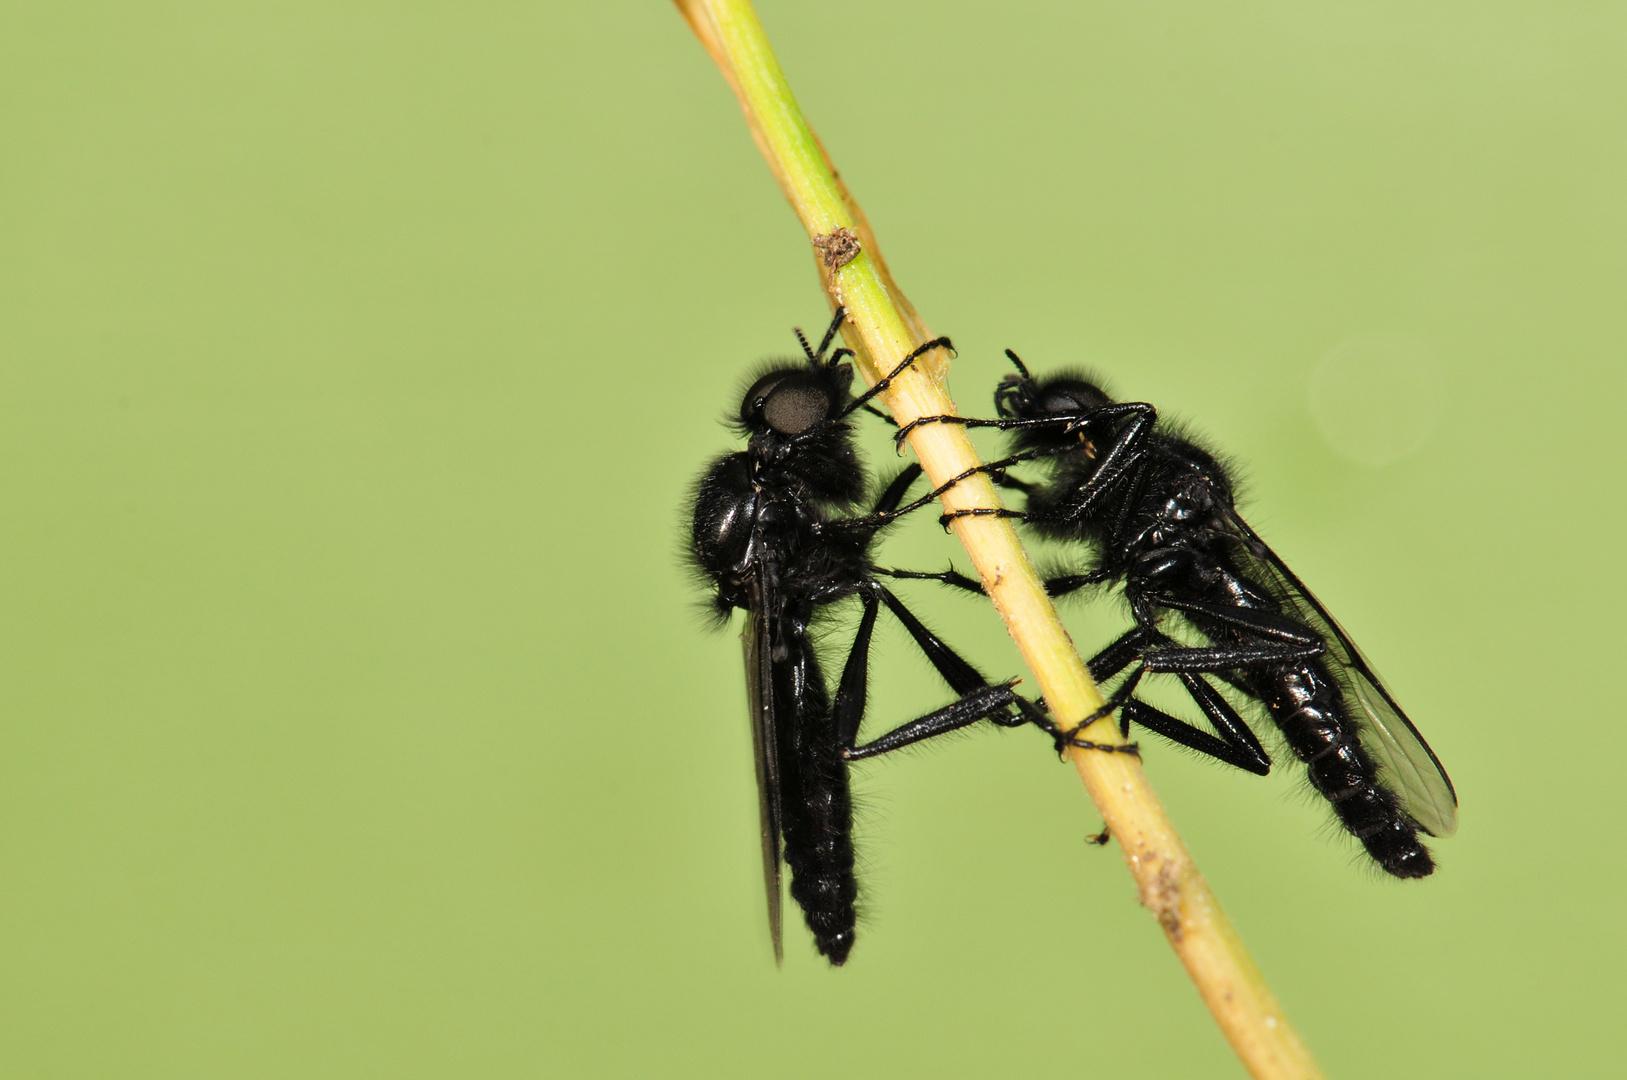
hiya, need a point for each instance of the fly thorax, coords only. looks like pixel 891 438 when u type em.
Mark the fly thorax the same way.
pixel 1186 505
pixel 725 517
pixel 730 527
pixel 769 448
pixel 1161 567
pixel 734 590
pixel 779 524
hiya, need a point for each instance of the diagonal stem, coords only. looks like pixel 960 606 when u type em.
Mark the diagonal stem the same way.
pixel 882 328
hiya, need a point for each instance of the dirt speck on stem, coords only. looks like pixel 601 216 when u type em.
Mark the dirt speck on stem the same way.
pixel 837 248
pixel 1161 894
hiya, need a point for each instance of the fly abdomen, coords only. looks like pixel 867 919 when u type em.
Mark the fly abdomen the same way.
pixel 1321 734
pixel 819 848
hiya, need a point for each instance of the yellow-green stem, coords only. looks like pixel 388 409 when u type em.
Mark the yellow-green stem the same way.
pixel 882 327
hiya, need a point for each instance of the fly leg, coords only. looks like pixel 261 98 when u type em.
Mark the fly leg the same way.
pixel 893 494
pixel 873 411
pixel 978 701
pixel 960 675
pixel 995 469
pixel 886 510
pixel 1011 483
pixel 1210 659
pixel 1236 744
pixel 1123 454
pixel 1034 712
pixel 984 703
pixel 1060 585
pixel 932 496
pixel 1070 738
pixel 987 703
pixel 1063 584
pixel 951 577
pixel 1069 422
pixel 1261 622
pixel 1037 714
pixel 887 380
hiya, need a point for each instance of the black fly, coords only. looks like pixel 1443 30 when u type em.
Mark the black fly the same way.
pixel 1159 511
pixel 775 533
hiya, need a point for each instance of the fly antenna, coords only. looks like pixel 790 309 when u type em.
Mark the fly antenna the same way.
pixel 830 335
pixel 1015 360
pixel 806 348
pixel 873 411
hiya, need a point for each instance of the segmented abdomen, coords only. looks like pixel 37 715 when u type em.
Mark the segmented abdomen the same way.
pixel 1312 714
pixel 1310 709
pixel 817 812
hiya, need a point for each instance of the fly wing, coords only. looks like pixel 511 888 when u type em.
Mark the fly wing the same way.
pixel 1406 761
pixel 765 746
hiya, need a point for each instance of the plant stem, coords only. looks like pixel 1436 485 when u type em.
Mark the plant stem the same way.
pixel 882 327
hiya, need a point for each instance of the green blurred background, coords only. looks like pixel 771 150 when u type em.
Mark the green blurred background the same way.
pixel 355 360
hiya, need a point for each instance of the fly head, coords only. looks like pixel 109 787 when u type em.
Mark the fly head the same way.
pixel 792 401
pixel 1022 397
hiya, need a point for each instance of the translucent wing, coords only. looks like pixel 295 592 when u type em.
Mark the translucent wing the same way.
pixel 765 745
pixel 1407 763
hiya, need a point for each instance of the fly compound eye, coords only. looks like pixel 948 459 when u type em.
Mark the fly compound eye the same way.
pixel 1061 403
pixel 1071 395
pixel 751 406
pixel 794 406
